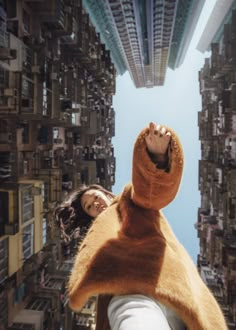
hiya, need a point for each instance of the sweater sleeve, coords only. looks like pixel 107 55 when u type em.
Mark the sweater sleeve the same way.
pixel 152 187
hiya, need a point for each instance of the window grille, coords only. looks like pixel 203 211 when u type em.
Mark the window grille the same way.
pixel 3 259
pixel 27 202
pixel 28 241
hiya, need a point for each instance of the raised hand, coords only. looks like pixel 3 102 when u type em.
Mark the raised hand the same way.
pixel 157 140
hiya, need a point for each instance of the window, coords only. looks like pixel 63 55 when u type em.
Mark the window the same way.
pixel 46 100
pixel 4 80
pixel 28 241
pixel 27 62
pixel 27 204
pixel 26 22
pixel 25 133
pixel 27 93
pixel 19 293
pixel 55 283
pixel 44 228
pixel 55 133
pixel 4 309
pixel 45 193
pixel 3 259
pixel 4 212
pixel 39 304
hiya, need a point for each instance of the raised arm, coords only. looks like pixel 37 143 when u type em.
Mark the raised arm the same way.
pixel 157 167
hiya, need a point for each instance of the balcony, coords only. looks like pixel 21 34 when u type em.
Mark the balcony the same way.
pixel 56 15
pixel 28 319
pixel 6 53
pixel 6 166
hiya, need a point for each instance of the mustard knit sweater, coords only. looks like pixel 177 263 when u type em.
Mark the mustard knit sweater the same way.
pixel 130 247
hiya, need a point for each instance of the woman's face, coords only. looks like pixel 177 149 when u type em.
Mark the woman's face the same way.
pixel 94 202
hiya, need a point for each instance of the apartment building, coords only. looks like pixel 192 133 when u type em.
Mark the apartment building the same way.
pixel 213 31
pixel 56 129
pixel 145 37
pixel 216 225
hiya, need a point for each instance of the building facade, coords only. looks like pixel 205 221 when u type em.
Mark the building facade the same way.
pixel 216 225
pixel 214 29
pixel 56 128
pixel 145 37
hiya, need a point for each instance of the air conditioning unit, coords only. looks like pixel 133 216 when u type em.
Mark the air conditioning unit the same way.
pixel 11 228
pixel 10 92
pixel 54 76
pixel 58 141
pixel 35 69
pixel 13 53
pixel 7 54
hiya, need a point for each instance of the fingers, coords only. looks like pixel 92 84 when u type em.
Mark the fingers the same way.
pixel 152 128
pixel 158 130
pixel 157 139
pixel 162 131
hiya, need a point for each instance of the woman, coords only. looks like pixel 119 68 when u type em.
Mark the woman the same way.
pixel 81 207
pixel 131 253
pixel 71 217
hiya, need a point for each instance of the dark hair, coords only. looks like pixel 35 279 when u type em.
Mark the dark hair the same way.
pixel 70 215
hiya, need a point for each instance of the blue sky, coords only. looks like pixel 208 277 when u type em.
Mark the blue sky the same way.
pixel 176 104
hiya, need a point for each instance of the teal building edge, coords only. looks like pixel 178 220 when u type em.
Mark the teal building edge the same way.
pixel 99 18
pixel 227 20
pixel 182 21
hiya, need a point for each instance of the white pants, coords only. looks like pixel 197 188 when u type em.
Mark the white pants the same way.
pixel 138 312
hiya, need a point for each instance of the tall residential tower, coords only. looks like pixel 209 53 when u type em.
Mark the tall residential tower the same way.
pixel 214 29
pixel 145 37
